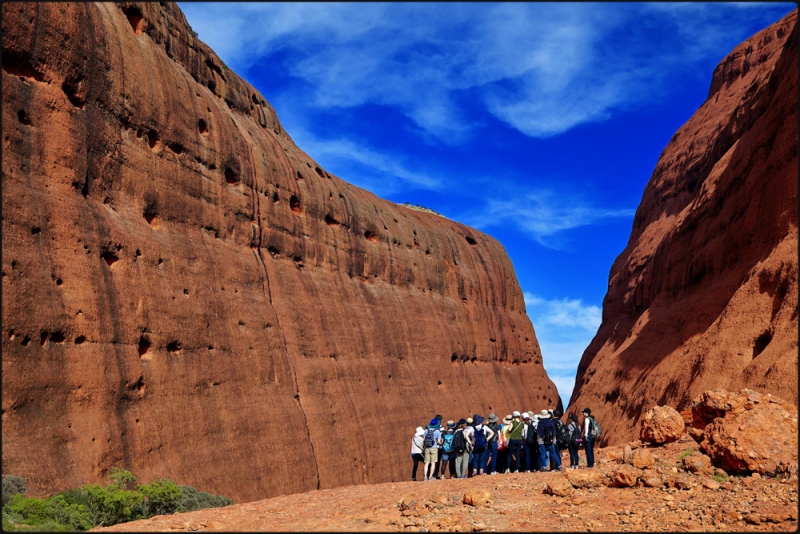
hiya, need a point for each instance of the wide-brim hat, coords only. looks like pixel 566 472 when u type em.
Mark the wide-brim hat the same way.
pixel 434 422
pixel 587 411
pixel 507 419
pixel 451 423
pixel 470 420
pixel 544 414
pixel 492 417
pixel 479 420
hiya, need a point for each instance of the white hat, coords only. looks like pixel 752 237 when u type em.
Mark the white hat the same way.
pixel 536 416
pixel 515 414
pixel 525 415
pixel 544 415
pixel 469 420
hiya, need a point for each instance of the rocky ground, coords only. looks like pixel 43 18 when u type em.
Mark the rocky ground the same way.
pixel 681 500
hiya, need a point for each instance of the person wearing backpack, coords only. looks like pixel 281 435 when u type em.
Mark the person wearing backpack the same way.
pixel 532 444
pixel 546 431
pixel 495 427
pixel 480 446
pixel 590 433
pixel 515 442
pixel 416 451
pixel 448 456
pixel 431 440
pixel 562 434
pixel 460 445
pixel 572 445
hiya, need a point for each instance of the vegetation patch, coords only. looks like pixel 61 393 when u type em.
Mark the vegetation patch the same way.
pixel 88 506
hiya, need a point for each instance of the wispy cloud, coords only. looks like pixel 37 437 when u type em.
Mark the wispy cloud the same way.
pixel 380 173
pixel 564 328
pixel 542 68
pixel 542 213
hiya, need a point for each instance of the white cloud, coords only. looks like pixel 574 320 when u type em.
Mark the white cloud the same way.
pixel 542 213
pixel 564 328
pixel 542 68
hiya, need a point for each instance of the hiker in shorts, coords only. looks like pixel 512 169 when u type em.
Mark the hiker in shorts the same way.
pixel 588 440
pixel 432 438
pixel 439 458
pixel 448 456
pixel 416 451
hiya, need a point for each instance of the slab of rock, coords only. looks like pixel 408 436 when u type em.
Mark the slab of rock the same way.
pixel 477 497
pixel 651 479
pixel 586 478
pixel 750 432
pixel 661 424
pixel 189 295
pixel 695 301
pixel 642 459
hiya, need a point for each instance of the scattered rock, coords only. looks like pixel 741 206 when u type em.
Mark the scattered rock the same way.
pixel 710 483
pixel 625 476
pixel 559 486
pixel 642 459
pixel 652 480
pixel 696 462
pixel 585 478
pixel 661 424
pixel 627 455
pixel 477 497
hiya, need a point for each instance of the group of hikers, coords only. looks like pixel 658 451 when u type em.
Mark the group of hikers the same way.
pixel 477 446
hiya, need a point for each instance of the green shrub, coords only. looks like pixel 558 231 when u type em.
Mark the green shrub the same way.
pixel 121 478
pixel 12 485
pixel 161 497
pixel 685 453
pixel 198 500
pixel 720 478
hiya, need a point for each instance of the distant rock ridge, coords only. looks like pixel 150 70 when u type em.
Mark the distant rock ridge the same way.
pixel 705 294
pixel 187 294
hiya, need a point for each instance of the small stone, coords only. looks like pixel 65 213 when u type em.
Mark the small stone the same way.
pixel 753 519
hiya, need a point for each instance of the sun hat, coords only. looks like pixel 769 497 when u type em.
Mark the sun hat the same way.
pixel 479 420
pixel 587 411
pixel 525 415
pixel 451 423
pixel 544 414
pixel 470 420
pixel 536 417
pixel 434 422
pixel 420 431
pixel 492 417
pixel 515 414
pixel 507 419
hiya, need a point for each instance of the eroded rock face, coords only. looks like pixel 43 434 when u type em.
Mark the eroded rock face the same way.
pixel 187 294
pixel 748 432
pixel 705 294
pixel 661 424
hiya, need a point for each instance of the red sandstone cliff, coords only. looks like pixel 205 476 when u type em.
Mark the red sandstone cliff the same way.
pixel 187 294
pixel 705 293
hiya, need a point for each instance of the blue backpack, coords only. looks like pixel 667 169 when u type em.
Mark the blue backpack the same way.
pixel 448 441
pixel 428 441
pixel 480 440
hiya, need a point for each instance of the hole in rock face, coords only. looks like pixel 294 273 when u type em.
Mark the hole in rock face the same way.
pixel 35 230
pixel 330 221
pixel 174 346
pixel 25 341
pixel 110 258
pixel 231 177
pixel 299 176
pixel 144 345
pixel 80 340
pixel 176 147
pixel 135 18
pixel 761 342
pixel 152 139
pixel 22 115
pixel 471 241
pixel 275 197
pixel 58 337
pixel 59 281
pixel 370 236
pixel 319 171
pixel 294 204
pixel 19 64
pixel 150 213
pixel 202 127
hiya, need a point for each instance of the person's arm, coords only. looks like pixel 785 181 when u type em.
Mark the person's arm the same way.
pixel 491 433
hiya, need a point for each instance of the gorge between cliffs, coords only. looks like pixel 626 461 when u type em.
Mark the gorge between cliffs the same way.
pixel 188 294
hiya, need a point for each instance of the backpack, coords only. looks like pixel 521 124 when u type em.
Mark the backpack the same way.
pixel 480 440
pixel 576 435
pixel 548 435
pixel 459 442
pixel 501 440
pixel 447 443
pixel 530 435
pixel 428 441
pixel 562 434
pixel 594 428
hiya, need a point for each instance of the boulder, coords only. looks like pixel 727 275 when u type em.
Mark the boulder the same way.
pixel 697 462
pixel 627 454
pixel 651 479
pixel 477 497
pixel 750 432
pixel 559 486
pixel 586 478
pixel 661 424
pixel 642 459
pixel 625 476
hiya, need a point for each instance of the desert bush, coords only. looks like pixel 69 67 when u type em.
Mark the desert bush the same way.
pixel 161 497
pixel 198 500
pixel 12 485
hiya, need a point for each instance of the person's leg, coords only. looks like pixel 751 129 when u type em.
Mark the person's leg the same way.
pixel 452 463
pixel 493 461
pixel 509 455
pixel 414 457
pixel 542 457
pixel 590 452
pixel 555 454
pixel 485 460
pixel 438 461
pixel 526 456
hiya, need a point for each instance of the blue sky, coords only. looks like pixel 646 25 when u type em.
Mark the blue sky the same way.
pixel 537 123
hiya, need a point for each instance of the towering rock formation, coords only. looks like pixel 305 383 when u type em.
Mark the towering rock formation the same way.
pixel 705 294
pixel 186 294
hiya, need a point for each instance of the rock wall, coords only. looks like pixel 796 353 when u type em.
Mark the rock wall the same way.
pixel 186 294
pixel 705 294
